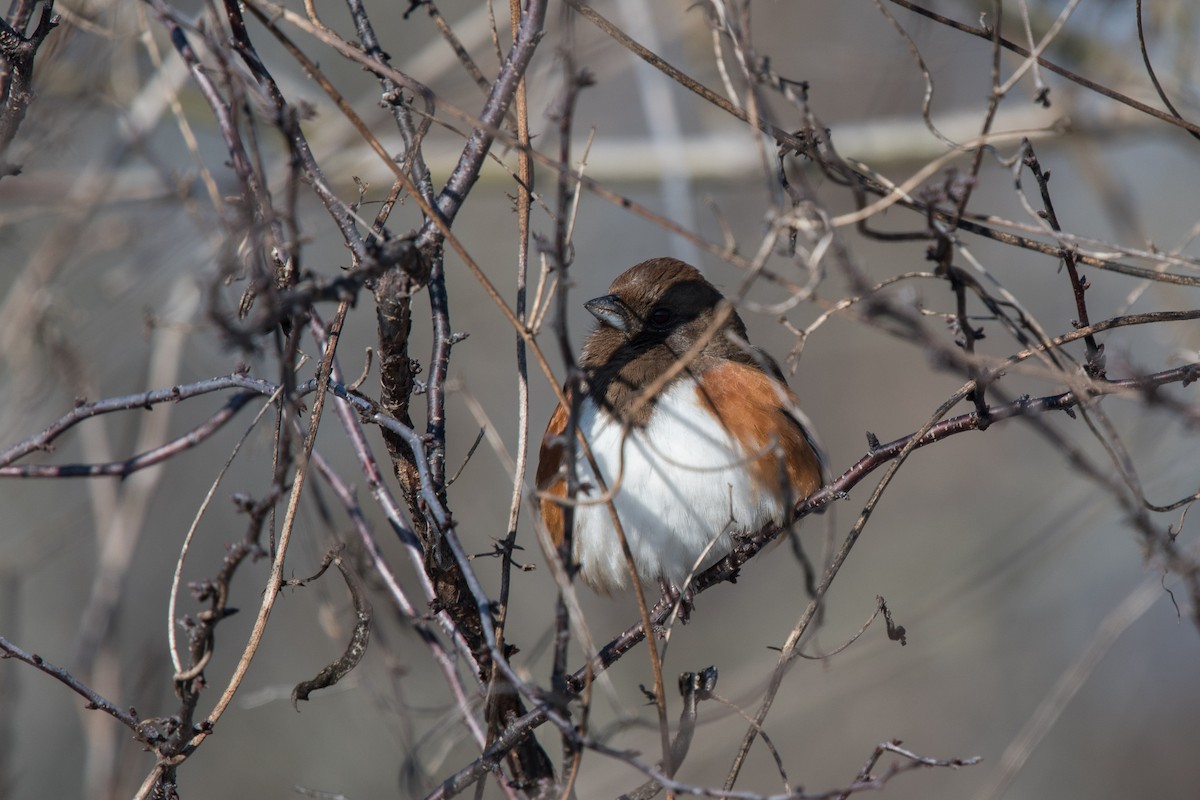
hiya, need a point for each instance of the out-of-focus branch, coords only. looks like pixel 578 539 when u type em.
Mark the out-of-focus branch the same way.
pixel 17 53
pixel 987 33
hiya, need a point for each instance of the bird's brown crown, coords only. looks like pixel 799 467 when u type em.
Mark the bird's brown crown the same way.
pixel 654 313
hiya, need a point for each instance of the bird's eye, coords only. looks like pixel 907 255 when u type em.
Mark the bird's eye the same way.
pixel 660 317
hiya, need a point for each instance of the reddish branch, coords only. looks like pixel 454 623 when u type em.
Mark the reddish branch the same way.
pixel 1079 286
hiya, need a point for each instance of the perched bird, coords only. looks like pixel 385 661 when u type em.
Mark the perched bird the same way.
pixel 718 448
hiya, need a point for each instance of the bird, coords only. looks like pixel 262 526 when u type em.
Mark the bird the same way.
pixel 695 433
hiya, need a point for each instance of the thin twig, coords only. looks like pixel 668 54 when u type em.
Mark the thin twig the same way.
pixel 985 33
pixel 127 717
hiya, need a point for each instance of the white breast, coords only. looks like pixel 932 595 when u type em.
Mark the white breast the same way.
pixel 673 497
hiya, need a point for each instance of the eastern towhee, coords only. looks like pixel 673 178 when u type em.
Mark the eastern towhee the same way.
pixel 719 448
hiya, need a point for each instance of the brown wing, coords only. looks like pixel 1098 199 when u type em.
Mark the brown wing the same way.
pixel 755 408
pixel 549 477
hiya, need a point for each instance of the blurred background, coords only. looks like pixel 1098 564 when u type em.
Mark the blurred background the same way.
pixel 1040 636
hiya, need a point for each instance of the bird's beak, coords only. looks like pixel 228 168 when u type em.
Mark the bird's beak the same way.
pixel 610 310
